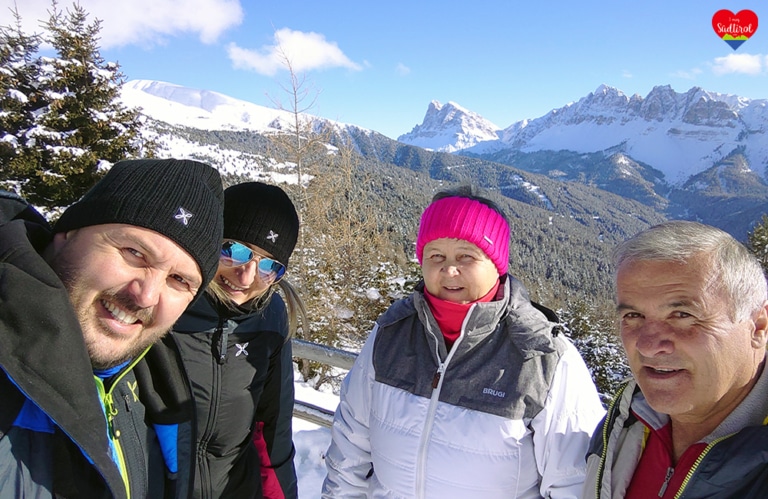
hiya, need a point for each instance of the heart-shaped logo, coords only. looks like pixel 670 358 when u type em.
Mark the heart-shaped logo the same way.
pixel 734 29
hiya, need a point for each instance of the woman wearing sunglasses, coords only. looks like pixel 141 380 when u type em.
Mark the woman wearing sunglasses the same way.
pixel 235 345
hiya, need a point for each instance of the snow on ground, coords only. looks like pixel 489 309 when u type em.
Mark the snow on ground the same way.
pixel 311 441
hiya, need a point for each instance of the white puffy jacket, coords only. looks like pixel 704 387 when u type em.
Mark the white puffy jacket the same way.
pixel 507 413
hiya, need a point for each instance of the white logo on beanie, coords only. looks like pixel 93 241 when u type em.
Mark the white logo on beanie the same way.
pixel 183 215
pixel 272 236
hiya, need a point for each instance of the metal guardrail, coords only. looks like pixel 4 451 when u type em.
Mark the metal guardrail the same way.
pixel 326 355
pixel 322 353
pixel 312 413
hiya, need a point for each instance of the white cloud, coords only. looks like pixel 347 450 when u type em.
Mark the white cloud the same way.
pixel 138 22
pixel 626 74
pixel 402 69
pixel 305 51
pixel 739 63
pixel 690 74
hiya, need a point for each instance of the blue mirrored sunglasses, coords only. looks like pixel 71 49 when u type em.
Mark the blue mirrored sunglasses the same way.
pixel 234 254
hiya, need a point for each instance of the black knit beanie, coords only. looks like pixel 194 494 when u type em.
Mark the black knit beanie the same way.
pixel 180 199
pixel 262 215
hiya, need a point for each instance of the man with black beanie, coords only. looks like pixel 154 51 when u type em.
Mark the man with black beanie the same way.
pixel 93 399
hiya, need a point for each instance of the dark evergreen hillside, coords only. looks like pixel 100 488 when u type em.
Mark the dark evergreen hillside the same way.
pixel 614 172
pixel 562 232
pixel 729 195
pixel 709 197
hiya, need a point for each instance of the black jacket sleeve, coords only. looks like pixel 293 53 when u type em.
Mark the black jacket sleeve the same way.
pixel 275 414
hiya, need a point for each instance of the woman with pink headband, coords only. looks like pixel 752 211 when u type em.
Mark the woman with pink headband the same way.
pixel 465 388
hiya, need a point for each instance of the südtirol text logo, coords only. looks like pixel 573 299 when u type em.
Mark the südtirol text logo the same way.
pixel 734 29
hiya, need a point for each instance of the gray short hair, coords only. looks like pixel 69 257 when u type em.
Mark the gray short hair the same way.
pixel 737 271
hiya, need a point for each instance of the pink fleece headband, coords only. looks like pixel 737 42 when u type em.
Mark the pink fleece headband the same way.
pixel 468 219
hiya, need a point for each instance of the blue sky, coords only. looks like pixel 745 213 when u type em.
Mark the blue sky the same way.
pixel 379 64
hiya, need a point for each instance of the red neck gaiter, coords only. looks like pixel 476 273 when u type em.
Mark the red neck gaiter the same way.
pixel 450 316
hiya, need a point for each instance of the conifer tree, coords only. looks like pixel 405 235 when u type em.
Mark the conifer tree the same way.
pixel 20 99
pixel 758 241
pixel 80 126
pixel 592 330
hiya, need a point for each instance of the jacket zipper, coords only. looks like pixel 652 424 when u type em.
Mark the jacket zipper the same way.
pixel 610 418
pixel 421 473
pixel 670 472
pixel 220 339
pixel 437 384
pixel 110 412
pixel 697 463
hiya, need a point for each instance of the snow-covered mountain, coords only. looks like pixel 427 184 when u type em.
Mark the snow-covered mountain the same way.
pixel 698 155
pixel 201 109
pixel 207 110
pixel 678 134
pixel 174 108
pixel 450 128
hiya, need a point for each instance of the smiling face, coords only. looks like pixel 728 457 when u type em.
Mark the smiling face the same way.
pixel 243 283
pixel 456 270
pixel 127 284
pixel 686 353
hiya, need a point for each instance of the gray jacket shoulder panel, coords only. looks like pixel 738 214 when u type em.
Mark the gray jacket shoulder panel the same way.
pixel 503 364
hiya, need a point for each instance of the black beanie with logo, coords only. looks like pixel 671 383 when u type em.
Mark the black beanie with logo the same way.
pixel 180 199
pixel 262 215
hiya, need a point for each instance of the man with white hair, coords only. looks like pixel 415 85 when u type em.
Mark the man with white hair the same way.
pixel 692 305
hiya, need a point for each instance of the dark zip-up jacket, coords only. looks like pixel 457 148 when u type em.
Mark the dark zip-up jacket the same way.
pixel 241 369
pixel 63 432
pixel 734 464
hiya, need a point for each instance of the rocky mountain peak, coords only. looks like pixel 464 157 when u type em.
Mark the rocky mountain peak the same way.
pixel 678 134
pixel 450 128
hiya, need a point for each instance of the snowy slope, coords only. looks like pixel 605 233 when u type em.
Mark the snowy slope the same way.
pixel 201 109
pixel 190 108
pixel 678 134
pixel 207 110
